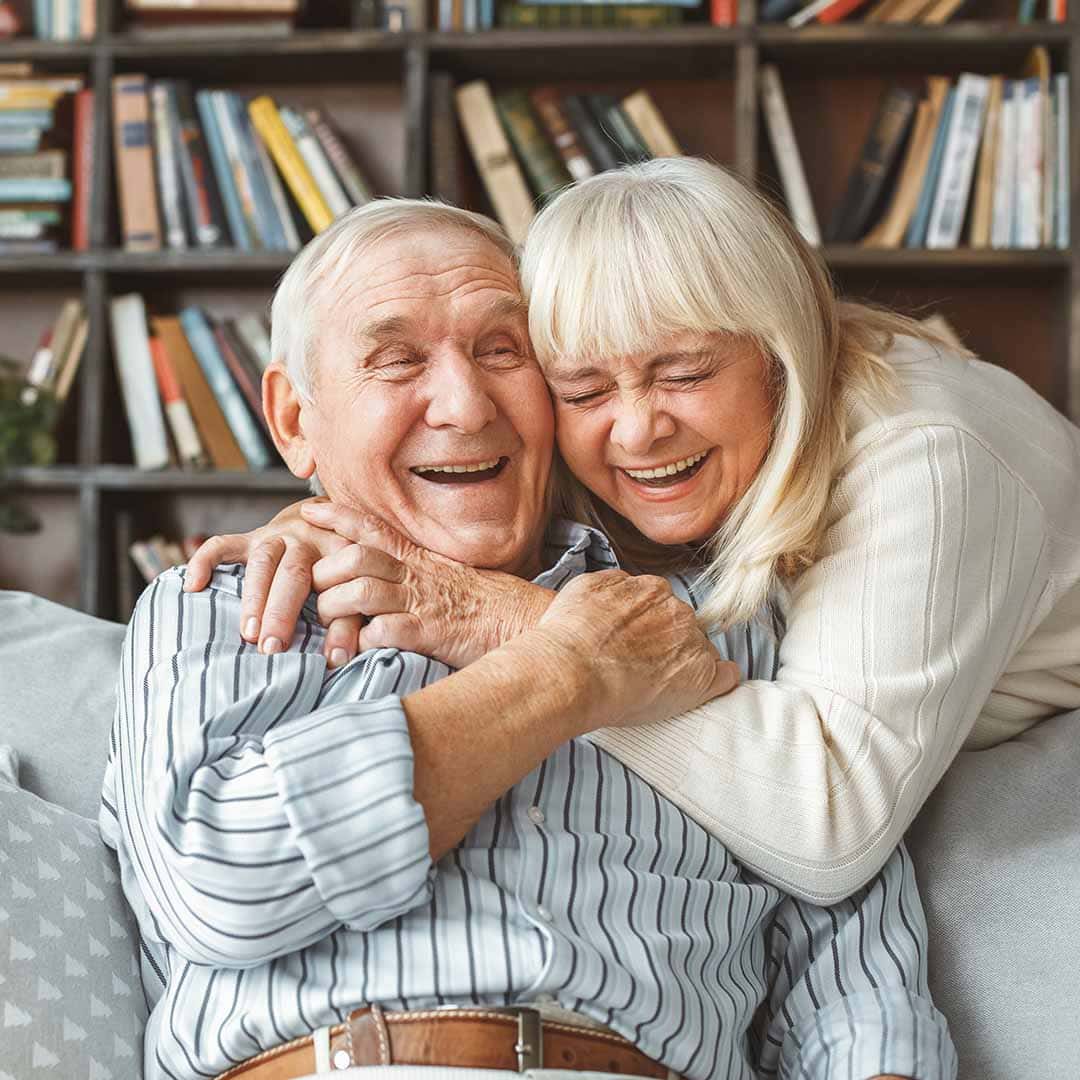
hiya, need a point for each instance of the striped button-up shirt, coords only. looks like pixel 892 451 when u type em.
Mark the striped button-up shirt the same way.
pixel 271 847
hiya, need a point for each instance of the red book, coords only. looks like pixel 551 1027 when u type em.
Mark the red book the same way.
pixel 840 10
pixel 723 12
pixel 82 169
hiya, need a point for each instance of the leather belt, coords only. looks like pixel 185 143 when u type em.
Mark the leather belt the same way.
pixel 513 1038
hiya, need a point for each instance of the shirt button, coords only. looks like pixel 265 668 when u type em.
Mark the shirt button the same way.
pixel 342 1059
pixel 536 815
pixel 544 914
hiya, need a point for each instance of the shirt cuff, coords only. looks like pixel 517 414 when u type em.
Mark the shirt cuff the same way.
pixel 345 776
pixel 869 1034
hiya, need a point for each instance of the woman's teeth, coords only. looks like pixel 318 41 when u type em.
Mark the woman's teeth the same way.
pixel 666 470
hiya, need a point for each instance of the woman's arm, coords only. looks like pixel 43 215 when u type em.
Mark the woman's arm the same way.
pixel 931 571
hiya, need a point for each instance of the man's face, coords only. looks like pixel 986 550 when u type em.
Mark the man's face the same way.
pixel 428 407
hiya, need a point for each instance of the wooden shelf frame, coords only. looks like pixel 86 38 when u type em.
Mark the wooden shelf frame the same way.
pixel 411 57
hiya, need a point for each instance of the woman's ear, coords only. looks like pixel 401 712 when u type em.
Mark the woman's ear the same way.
pixel 283 408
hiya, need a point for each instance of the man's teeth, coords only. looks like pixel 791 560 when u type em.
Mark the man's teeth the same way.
pixel 665 470
pixel 482 467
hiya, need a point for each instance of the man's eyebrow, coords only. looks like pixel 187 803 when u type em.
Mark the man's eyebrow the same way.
pixel 570 373
pixel 506 306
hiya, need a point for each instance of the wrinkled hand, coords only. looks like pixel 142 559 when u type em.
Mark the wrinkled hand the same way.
pixel 414 599
pixel 638 648
pixel 279 556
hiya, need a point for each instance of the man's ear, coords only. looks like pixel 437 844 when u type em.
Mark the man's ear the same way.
pixel 283 408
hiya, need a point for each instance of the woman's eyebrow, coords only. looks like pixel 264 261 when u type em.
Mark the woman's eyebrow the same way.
pixel 570 373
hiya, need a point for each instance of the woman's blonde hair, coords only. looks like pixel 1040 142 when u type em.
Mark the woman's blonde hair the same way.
pixel 616 264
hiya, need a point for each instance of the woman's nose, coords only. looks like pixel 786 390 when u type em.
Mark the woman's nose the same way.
pixel 638 426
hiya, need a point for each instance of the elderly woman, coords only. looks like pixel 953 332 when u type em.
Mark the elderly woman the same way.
pixel 916 510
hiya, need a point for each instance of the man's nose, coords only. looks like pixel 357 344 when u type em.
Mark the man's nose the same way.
pixel 459 398
pixel 638 425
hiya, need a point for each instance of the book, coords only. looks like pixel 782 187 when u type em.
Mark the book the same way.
pixel 838 10
pixel 1027 222
pixel 280 200
pixel 135 368
pixel 241 423
pixel 499 170
pixel 958 162
pixel 189 447
pixel 272 130
pixel 890 230
pixel 614 122
pixel 167 168
pixel 135 163
pixel 642 112
pixel 876 164
pixel 600 149
pixel 214 431
pixel 256 224
pixel 82 169
pixel 786 152
pixel 316 160
pixel 202 202
pixel 269 226
pixel 1061 134
pixel 346 169
pixel 68 364
pixel 915 236
pixel 982 211
pixel 1037 67
pixel 222 169
pixel 252 332
pixel 247 380
pixel 34 190
pixel 777 10
pixel 543 166
pixel 549 111
pixel 1004 212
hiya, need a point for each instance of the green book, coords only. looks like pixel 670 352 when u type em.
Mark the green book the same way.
pixel 544 167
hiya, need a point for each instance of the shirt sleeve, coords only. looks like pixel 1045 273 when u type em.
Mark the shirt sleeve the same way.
pixel 253 821
pixel 932 567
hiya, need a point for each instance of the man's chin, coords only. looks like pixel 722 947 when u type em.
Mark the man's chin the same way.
pixel 486 548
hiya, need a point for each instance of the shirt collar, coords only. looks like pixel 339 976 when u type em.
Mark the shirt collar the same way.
pixel 570 549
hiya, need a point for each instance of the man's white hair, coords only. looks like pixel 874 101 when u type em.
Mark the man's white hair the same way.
pixel 307 289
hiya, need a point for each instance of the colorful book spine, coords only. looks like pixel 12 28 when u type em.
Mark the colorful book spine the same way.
pixel 1027 226
pixel 277 193
pixel 40 190
pixel 543 166
pixel 242 180
pixel 21 119
pixel 82 169
pixel 201 198
pixel 135 368
pixel 167 169
pixel 271 230
pixel 189 447
pixel 318 165
pixel 357 188
pixel 564 138
pixel 245 430
pixel 135 163
pixel 1061 134
pixel 271 128
pixel 915 236
pixel 234 214
pixel 1001 230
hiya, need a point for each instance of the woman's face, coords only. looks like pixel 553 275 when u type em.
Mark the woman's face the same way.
pixel 670 438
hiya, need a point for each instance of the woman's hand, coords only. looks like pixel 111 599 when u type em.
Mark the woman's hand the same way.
pixel 637 649
pixel 278 580
pixel 414 599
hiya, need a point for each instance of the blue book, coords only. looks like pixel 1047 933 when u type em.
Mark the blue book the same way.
pixel 778 10
pixel 487 14
pixel 40 119
pixel 270 230
pixel 1026 13
pixel 43 28
pixel 244 428
pixel 20 141
pixel 219 160
pixel 920 220
pixel 41 189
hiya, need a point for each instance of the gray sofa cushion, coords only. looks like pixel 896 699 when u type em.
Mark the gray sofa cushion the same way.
pixel 58 672
pixel 71 1003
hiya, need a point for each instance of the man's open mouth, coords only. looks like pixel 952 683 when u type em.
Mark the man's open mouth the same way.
pixel 668 475
pixel 462 474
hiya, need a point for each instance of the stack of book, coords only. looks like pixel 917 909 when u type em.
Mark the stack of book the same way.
pixel 51 20
pixel 525 16
pixel 528 145
pixel 157 554
pixel 191 387
pixel 927 12
pixel 209 169
pixel 37 117
pixel 985 159
pixel 53 366
pixel 211 17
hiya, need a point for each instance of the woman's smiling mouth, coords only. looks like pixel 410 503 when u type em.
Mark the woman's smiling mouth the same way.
pixel 666 475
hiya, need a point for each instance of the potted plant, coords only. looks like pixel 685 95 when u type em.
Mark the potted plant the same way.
pixel 27 416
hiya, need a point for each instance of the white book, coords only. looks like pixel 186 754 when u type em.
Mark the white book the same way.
pixel 1061 125
pixel 788 159
pixel 809 13
pixel 315 159
pixel 1027 225
pixel 958 162
pixel 1005 171
pixel 255 337
pixel 138 384
pixel 167 168
pixel 277 193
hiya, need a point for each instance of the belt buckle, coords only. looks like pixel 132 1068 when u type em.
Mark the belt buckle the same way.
pixel 529 1046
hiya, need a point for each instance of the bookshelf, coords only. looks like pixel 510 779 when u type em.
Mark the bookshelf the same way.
pixel 1020 309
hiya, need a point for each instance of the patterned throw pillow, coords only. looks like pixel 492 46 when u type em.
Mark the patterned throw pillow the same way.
pixel 71 1003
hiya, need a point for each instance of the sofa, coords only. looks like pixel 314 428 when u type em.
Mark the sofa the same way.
pixel 997 848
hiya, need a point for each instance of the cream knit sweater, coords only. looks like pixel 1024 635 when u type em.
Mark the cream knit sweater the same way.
pixel 943 612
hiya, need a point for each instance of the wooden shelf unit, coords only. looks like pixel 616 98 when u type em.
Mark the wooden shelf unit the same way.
pixel 1017 308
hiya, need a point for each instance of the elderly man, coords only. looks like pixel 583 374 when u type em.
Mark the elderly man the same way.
pixel 322 859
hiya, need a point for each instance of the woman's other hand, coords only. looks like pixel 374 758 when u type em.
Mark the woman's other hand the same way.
pixel 278 579
pixel 638 648
pixel 413 599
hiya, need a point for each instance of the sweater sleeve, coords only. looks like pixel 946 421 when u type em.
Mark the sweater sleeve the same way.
pixel 932 567
pixel 251 820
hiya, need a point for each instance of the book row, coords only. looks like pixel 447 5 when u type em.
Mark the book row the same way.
pixel 529 144
pixel 798 13
pixel 983 160
pixel 474 15
pixel 45 167
pixel 209 169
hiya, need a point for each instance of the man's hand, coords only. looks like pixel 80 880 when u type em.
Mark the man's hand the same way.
pixel 414 599
pixel 638 648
